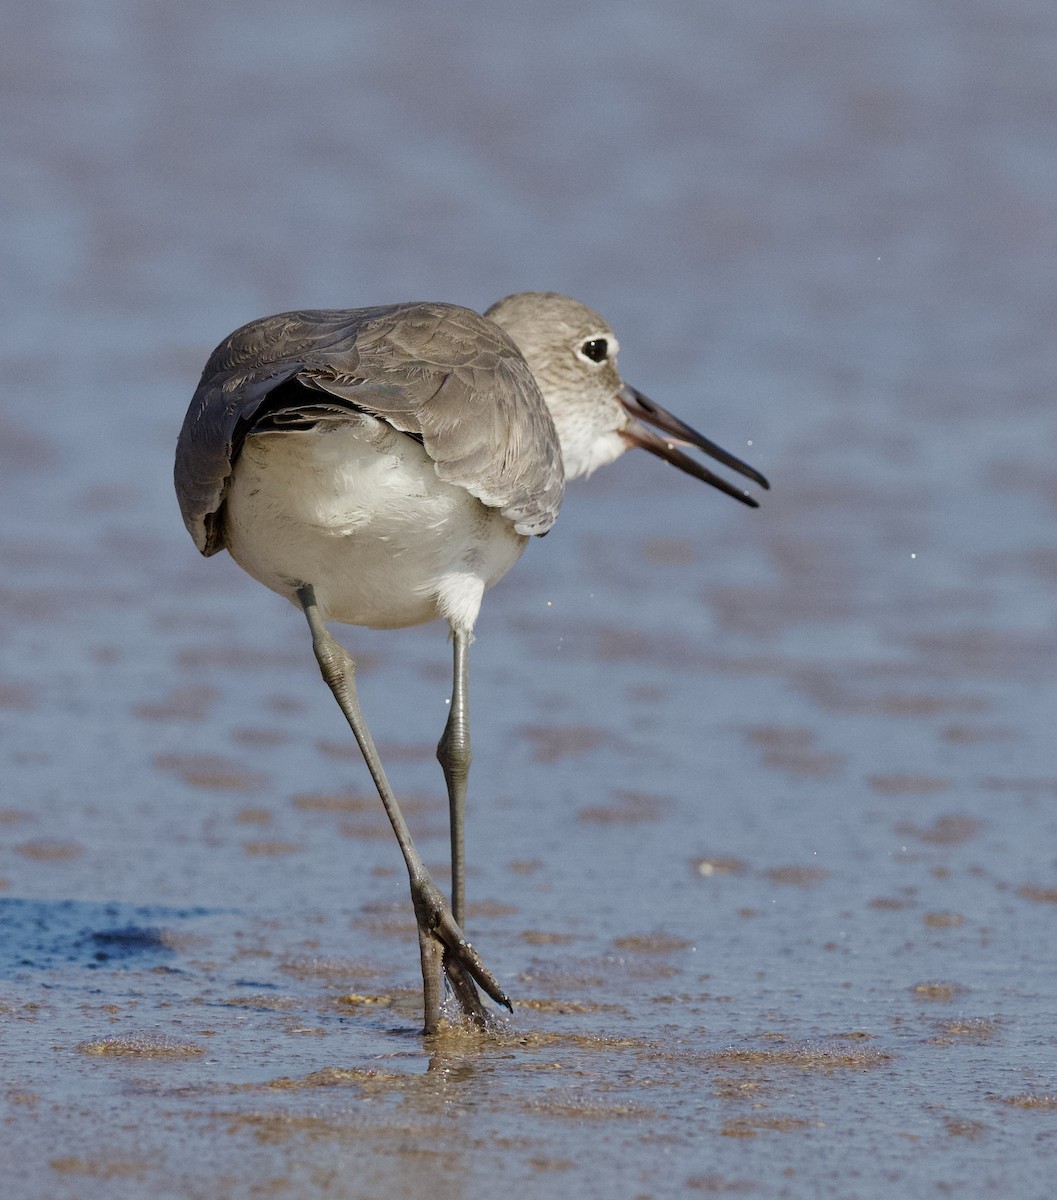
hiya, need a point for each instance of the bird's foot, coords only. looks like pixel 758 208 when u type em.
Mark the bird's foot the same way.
pixel 462 964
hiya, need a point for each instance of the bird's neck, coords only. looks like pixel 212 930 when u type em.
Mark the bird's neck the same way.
pixel 587 441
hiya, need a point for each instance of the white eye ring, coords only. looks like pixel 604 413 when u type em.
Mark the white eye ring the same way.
pixel 598 348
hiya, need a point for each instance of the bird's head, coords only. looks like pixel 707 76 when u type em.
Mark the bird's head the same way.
pixel 572 353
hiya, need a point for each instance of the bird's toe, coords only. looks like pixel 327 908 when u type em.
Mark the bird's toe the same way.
pixel 462 964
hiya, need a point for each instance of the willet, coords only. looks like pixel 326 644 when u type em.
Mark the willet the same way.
pixel 383 467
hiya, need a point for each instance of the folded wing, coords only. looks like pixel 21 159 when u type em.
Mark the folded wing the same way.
pixel 438 372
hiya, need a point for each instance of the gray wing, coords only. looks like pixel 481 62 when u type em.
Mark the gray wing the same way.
pixel 441 373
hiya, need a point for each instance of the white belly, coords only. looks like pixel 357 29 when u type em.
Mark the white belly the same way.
pixel 356 509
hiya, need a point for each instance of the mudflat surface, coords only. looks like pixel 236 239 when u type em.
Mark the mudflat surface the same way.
pixel 762 832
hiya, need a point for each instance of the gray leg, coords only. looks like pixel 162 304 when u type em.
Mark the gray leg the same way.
pixel 439 933
pixel 453 753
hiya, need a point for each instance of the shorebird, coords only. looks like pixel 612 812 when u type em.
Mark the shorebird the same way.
pixel 384 467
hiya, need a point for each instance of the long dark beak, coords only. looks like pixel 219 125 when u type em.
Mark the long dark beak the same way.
pixel 644 412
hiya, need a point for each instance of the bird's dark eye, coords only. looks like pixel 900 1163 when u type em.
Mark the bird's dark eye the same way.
pixel 596 349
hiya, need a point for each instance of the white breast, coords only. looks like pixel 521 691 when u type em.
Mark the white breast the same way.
pixel 355 508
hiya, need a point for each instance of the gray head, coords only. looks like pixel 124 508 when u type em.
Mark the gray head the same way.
pixel 572 353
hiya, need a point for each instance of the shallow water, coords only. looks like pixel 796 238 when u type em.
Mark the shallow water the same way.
pixel 762 831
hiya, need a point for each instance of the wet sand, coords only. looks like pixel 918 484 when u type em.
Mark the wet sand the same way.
pixel 763 811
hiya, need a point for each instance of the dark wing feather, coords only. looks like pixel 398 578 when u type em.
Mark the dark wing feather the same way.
pixel 441 373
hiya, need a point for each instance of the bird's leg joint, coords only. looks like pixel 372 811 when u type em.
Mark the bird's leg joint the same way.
pixel 430 908
pixel 336 665
pixel 453 749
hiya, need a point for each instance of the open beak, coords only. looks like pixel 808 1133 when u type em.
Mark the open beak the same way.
pixel 643 412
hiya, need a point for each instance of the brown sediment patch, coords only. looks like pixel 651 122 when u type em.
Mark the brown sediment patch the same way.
pixel 141 1045
pixel 566 1007
pixel 808 1056
pixel 717 865
pixel 274 1128
pixel 648 969
pixel 34 604
pixel 504 1034
pixel 326 968
pixel 951 830
pixel 630 808
pixel 332 1077
pixel 943 920
pixel 17 697
pixel 743 1089
pixel 791 749
pixel 261 1002
pixel 368 811
pixel 365 1000
pixel 811 765
pixel 618 643
pixel 187 703
pixel 1038 895
pixel 24 1012
pixel 967 735
pixel 14 816
pixel 890 903
pixel 551 743
pixel 651 943
pixel 259 738
pixel 908 785
pixel 718 1185
pixel 525 866
pixel 102 1168
pixel 938 991
pixel 747 1127
pixel 1038 560
pixel 537 937
pixel 346 750
pixel 1001 653
pixel 265 849
pixel 797 876
pixel 766 612
pixel 331 803
pixel 486 909
pixel 21 450
pixel 47 850
pixel 962 1127
pixel 253 816
pixel 977 1030
pixel 551 1164
pixel 258 951
pixel 786 737
pixel 1040 1100
pixel 211 772
pixel 837 693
